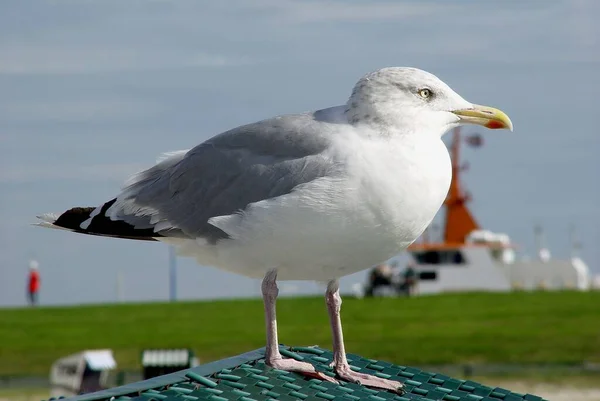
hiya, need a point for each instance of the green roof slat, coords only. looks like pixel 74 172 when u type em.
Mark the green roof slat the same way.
pixel 298 394
pixel 272 394
pixel 228 376
pixel 318 387
pixel 357 364
pixel 233 384
pixel 346 389
pixel 419 391
pixel 513 397
pixel 309 350
pixel 291 354
pixel 370 390
pixel 360 394
pixel 154 394
pixel 391 371
pixel 436 394
pixel 241 393
pixel 374 366
pixel 210 390
pixel 188 397
pixel 482 391
pixel 286 397
pixel 250 368
pixel 452 384
pixel 325 396
pixel 265 385
pixel 531 397
pixel 326 369
pixel 428 386
pixel 356 368
pixel 460 394
pixel 292 386
pixel 287 378
pixel 248 382
pixel 421 377
pixel 320 359
pixel 200 379
pixel 382 375
pixel 258 377
pixel 181 389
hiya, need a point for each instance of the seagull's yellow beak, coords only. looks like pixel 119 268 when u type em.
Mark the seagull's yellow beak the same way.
pixel 489 117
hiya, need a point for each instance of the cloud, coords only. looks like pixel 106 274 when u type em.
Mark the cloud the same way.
pixel 580 23
pixel 311 11
pixel 88 173
pixel 48 58
pixel 81 110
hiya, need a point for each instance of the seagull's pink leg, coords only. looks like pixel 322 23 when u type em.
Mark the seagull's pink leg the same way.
pixel 273 357
pixel 340 363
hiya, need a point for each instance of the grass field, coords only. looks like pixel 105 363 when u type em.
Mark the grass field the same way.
pixel 558 327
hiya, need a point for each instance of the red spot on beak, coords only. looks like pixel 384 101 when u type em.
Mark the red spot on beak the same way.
pixel 493 124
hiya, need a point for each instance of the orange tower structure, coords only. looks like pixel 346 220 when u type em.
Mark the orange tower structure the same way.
pixel 459 220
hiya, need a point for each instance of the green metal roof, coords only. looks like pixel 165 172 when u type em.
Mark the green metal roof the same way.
pixel 246 378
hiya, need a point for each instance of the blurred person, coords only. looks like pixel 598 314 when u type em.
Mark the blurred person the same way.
pixel 381 276
pixel 34 283
pixel 409 283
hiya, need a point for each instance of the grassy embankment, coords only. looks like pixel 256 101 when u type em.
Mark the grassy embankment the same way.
pixel 515 328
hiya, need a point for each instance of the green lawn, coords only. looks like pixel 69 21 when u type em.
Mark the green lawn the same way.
pixel 520 327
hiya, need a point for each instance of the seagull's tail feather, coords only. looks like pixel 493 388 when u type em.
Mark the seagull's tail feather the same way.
pixel 93 221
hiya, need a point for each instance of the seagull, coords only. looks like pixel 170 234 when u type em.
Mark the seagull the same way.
pixel 310 196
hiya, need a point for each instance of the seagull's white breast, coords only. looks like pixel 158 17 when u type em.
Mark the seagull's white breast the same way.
pixel 404 183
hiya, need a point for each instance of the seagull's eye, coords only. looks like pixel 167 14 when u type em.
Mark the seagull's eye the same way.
pixel 425 93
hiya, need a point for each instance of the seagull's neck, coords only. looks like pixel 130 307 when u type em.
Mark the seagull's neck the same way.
pixel 362 110
pixel 382 125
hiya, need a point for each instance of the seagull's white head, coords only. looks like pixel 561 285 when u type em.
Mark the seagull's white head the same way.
pixel 409 100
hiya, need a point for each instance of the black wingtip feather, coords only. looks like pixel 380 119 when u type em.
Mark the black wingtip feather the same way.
pixel 102 225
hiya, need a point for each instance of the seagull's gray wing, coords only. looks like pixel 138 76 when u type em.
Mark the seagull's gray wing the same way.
pixel 225 174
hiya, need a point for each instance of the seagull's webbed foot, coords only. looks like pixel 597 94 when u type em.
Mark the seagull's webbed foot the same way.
pixel 340 363
pixel 292 365
pixel 345 373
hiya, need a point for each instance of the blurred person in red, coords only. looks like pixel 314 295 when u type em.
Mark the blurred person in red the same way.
pixel 34 283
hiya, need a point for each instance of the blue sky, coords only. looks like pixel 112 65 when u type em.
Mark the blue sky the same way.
pixel 92 91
